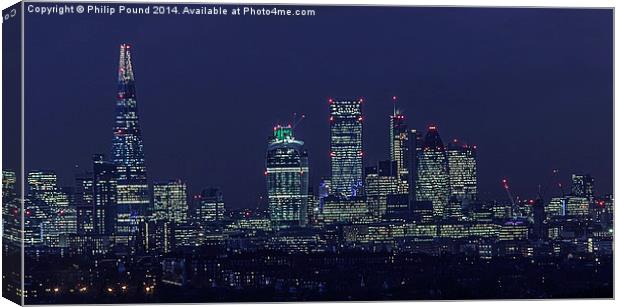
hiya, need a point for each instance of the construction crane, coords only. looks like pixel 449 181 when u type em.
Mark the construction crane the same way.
pixel 554 175
pixel 297 121
pixel 514 208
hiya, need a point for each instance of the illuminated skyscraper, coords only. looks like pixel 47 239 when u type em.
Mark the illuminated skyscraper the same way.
pixel 209 206
pixel 462 171
pixel 104 196
pixel 287 177
pixel 415 147
pixel 170 201
pixel 128 155
pixel 583 186
pixel 432 181
pixel 84 204
pixel 346 146
pixel 399 149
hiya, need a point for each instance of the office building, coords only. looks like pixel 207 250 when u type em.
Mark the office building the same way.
pixel 132 201
pixel 432 182
pixel 287 177
pixel 346 146
pixel 170 201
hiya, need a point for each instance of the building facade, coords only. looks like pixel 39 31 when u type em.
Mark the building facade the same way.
pixel 59 218
pixel 399 149
pixel 463 171
pixel 209 206
pixel 381 180
pixel 104 197
pixel 170 201
pixel 84 204
pixel 128 155
pixel 583 186
pixel 432 182
pixel 346 146
pixel 287 176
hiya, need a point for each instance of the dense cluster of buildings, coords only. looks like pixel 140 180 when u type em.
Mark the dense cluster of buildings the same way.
pixel 422 200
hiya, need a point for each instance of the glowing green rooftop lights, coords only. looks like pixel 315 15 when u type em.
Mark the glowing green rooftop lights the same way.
pixel 282 133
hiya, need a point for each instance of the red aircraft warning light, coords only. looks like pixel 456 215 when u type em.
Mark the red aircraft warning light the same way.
pixel 505 183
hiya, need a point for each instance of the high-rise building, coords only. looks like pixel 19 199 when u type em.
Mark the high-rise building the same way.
pixel 209 206
pixel 128 155
pixel 346 146
pixel 432 182
pixel 583 186
pixel 462 170
pixel 287 176
pixel 104 197
pixel 156 236
pixel 84 204
pixel 381 180
pixel 399 149
pixel 415 147
pixel 170 201
pixel 50 201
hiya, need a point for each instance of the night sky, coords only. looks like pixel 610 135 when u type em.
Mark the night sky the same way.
pixel 532 88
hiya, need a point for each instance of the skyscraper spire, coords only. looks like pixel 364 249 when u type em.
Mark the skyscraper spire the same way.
pixel 394 98
pixel 125 70
pixel 128 154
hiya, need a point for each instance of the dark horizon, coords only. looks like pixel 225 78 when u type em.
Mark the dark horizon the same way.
pixel 532 88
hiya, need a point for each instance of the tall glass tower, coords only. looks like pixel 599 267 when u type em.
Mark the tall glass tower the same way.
pixel 432 182
pixel 399 149
pixel 128 155
pixel 287 177
pixel 346 146
pixel 463 171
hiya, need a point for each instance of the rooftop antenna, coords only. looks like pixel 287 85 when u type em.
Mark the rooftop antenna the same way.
pixel 394 98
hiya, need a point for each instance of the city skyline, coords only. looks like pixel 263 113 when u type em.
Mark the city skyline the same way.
pixel 426 94
pixel 361 153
